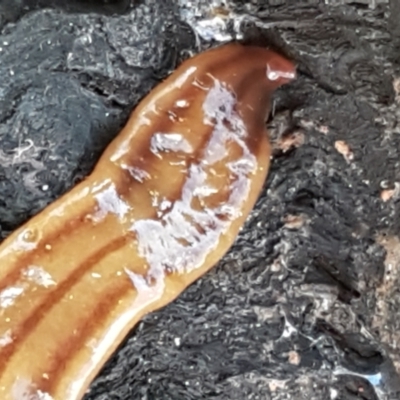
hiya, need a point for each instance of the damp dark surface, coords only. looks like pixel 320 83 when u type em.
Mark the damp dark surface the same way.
pixel 305 305
pixel 13 10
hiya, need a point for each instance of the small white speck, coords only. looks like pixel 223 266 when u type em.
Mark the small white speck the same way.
pixel 136 173
pixel 289 330
pixel 182 103
pixel 24 389
pixel 22 244
pixel 333 393
pixel 108 201
pixel 177 341
pixel 96 275
pixel 273 75
pixel 169 142
pixel 9 295
pixel 38 275
pixel 11 72
pixel 45 187
pixel 6 338
pixel 138 281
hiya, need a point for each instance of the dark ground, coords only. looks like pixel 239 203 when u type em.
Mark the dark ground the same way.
pixel 305 306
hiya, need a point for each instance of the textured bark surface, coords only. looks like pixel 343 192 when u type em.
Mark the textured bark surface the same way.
pixel 306 303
